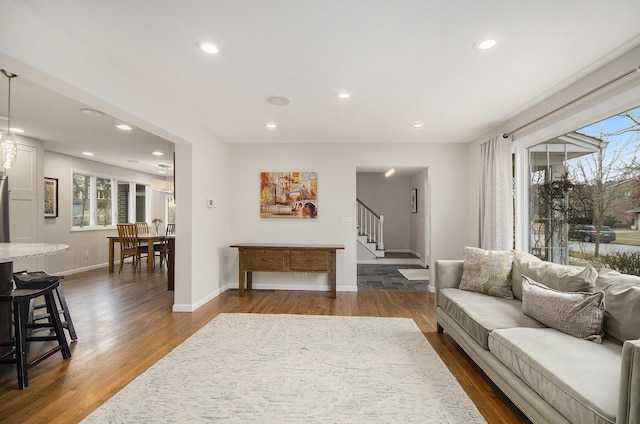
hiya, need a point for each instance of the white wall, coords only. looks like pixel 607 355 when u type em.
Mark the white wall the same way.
pixel 336 167
pixel 58 230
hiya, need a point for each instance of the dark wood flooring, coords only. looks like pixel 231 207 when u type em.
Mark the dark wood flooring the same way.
pixel 125 324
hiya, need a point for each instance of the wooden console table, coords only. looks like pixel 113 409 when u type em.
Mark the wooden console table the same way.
pixel 286 258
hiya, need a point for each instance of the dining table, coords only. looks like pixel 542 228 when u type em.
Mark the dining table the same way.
pixel 149 240
pixel 10 252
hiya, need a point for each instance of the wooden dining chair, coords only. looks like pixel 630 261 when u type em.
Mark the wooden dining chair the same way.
pixel 161 248
pixel 130 245
pixel 143 227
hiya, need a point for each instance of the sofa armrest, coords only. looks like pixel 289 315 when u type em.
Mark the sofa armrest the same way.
pixel 629 398
pixel 448 274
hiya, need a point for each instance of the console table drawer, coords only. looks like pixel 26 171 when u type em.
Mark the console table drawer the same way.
pixel 310 260
pixel 265 260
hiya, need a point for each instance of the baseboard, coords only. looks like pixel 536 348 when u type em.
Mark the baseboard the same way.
pixel 185 307
pixel 83 269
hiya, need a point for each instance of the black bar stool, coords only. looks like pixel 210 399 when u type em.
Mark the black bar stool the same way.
pixel 26 280
pixel 20 298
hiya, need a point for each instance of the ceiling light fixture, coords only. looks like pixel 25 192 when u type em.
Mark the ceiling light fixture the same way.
pixel 207 47
pixel 389 173
pixel 278 100
pixel 87 153
pixel 9 149
pixel 343 95
pixel 417 125
pixel 163 185
pixel 157 153
pixel 271 126
pixel 124 127
pixel 486 44
pixel 91 112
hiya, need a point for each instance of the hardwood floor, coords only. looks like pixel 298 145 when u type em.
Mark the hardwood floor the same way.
pixel 125 324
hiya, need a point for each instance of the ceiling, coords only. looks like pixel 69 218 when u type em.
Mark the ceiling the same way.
pixel 403 62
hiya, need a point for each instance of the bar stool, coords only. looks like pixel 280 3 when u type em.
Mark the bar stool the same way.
pixel 20 298
pixel 26 280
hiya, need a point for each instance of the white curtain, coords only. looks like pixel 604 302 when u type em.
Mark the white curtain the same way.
pixel 496 195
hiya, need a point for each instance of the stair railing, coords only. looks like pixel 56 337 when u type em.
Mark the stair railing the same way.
pixel 370 224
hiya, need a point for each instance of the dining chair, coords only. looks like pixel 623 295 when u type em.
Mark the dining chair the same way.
pixel 161 248
pixel 130 245
pixel 143 227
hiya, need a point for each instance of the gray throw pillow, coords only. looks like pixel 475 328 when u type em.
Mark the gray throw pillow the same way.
pixel 487 271
pixel 520 258
pixel 566 278
pixel 622 301
pixel 577 314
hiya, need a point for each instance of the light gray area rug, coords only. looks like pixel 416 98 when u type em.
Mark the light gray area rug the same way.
pixel 256 368
pixel 415 273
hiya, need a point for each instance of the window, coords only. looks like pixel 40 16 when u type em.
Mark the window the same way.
pixel 95 206
pixel 587 177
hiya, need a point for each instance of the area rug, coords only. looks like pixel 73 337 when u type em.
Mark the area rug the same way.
pixel 415 273
pixel 257 368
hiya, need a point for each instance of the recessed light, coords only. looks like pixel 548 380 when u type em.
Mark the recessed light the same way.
pixel 157 153
pixel 278 100
pixel 91 112
pixel 207 47
pixel 389 172
pixel 486 44
pixel 123 127
pixel 417 125
pixel 16 130
pixel 87 153
pixel 343 95
pixel 271 126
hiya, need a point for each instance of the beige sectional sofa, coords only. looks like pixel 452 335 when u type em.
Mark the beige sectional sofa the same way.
pixel 551 376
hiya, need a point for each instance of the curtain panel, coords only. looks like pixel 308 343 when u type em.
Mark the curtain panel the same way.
pixel 496 195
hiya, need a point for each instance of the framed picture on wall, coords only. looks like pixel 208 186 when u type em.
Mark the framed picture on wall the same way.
pixel 414 200
pixel 50 197
pixel 289 195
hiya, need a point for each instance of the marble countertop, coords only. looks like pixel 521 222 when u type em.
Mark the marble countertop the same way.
pixel 10 252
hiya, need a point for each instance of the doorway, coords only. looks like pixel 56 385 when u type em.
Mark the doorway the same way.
pixel 402 198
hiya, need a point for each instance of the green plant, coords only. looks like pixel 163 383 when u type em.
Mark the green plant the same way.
pixel 625 262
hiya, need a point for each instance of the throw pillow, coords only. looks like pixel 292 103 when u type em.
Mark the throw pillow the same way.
pixel 487 271
pixel 622 300
pixel 566 278
pixel 577 314
pixel 519 259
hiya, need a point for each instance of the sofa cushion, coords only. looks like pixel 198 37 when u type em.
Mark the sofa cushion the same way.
pixel 622 303
pixel 578 378
pixel 577 314
pixel 566 278
pixel 487 271
pixel 479 314
pixel 519 260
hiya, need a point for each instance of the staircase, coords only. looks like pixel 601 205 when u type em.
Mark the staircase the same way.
pixel 370 229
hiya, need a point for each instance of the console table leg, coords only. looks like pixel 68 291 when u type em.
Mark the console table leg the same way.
pixel 333 274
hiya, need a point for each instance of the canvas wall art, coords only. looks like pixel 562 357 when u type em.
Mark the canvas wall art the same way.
pixel 289 195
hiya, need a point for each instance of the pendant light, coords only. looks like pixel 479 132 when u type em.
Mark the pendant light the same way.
pixel 163 185
pixel 8 146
